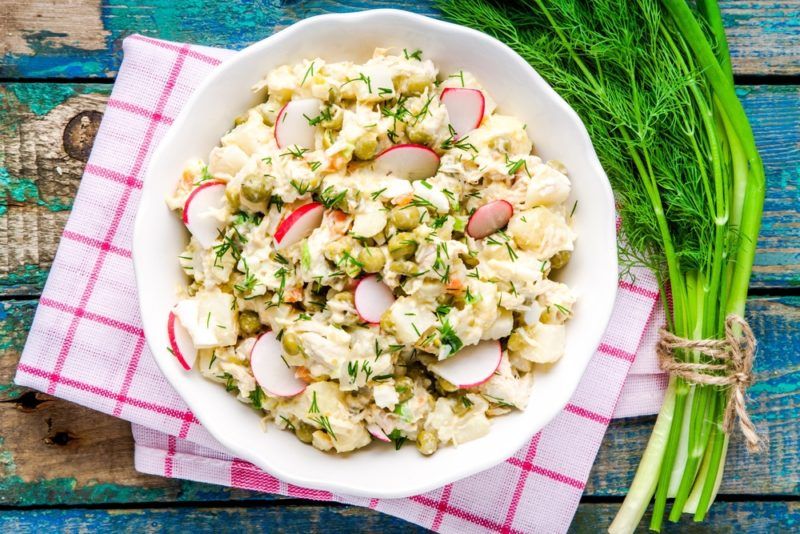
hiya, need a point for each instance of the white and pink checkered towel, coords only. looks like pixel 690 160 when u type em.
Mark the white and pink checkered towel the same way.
pixel 86 344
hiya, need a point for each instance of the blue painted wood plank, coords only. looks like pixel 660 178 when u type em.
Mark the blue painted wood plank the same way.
pixel 729 517
pixel 774 113
pixel 37 184
pixel 296 518
pixel 751 517
pixel 774 404
pixel 83 40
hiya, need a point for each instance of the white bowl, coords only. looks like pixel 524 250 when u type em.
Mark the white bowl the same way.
pixel 557 132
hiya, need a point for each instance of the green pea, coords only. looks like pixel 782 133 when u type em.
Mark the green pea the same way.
pixel 344 296
pixel 365 148
pixel 427 442
pixel 290 343
pixel 469 260
pixel 560 259
pixel 372 259
pixel 516 342
pixel 404 267
pixel 304 432
pixel 402 245
pixel 387 322
pixel 419 136
pixel 404 386
pixel 249 322
pixel 405 218
pixel 255 188
pixel 446 386
pixel 336 118
pixel 416 84
pixel 460 407
pixel 233 199
pixel 336 249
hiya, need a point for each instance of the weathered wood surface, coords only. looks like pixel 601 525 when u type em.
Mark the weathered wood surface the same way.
pixel 297 518
pixel 728 517
pixel 56 453
pixel 45 131
pixel 83 38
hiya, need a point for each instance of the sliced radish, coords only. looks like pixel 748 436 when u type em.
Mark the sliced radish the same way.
pixel 270 370
pixel 372 298
pixel 471 366
pixel 409 161
pixel 489 218
pixel 180 342
pixel 298 225
pixel 464 107
pixel 377 433
pixel 292 125
pixel 199 212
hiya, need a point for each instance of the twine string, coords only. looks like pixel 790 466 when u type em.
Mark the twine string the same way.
pixel 730 365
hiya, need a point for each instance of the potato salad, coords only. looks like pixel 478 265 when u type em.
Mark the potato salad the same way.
pixel 371 255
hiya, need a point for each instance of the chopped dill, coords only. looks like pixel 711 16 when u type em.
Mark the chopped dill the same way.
pixel 330 198
pixel 448 337
pixel 294 151
pixel 309 72
pixel 288 423
pixel 397 437
pixel 257 397
pixel 416 54
pixel 361 78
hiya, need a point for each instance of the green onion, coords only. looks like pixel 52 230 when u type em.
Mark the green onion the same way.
pixel 652 81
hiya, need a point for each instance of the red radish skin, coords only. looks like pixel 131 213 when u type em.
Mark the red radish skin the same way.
pixel 465 108
pixel 194 193
pixel 409 161
pixel 377 433
pixel 372 298
pixel 291 124
pixel 180 342
pixel 298 224
pixel 489 218
pixel 472 366
pixel 196 216
pixel 270 370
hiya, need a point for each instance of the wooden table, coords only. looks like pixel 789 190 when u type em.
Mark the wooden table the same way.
pixel 61 464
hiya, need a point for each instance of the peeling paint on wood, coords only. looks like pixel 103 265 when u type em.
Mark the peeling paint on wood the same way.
pixel 38 26
pixel 46 132
pixel 302 518
pixel 729 517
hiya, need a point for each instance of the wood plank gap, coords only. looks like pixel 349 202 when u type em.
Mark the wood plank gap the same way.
pixel 722 497
pixel 162 505
pixel 89 79
pixel 774 291
pixel 766 79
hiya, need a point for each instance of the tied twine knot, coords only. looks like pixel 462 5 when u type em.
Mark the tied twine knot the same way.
pixel 730 364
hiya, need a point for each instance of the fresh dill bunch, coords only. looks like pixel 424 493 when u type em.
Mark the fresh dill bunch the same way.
pixel 636 103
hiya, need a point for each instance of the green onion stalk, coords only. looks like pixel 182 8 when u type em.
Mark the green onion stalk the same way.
pixel 652 82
